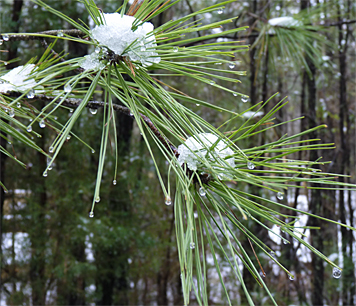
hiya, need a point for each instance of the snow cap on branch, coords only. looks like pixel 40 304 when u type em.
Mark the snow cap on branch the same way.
pixel 205 145
pixel 18 79
pixel 117 34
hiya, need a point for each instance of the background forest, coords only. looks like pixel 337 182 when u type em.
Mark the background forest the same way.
pixel 52 253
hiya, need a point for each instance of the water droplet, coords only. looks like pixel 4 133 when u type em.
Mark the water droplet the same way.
pixel 51 150
pixel 250 165
pixel 71 110
pixel 93 111
pixel 97 199
pixel 18 105
pixel 291 277
pixel 67 88
pixel 211 82
pixel 175 49
pixel 92 151
pixel 131 114
pixel 336 273
pixel 280 195
pixel 234 94
pixel 244 100
pixel 273 254
pixel 192 245
pixel 45 174
pixel 5 37
pixel 197 104
pixel 30 94
pixel 49 166
pixel 114 182
pixel 285 241
pixel 218 63
pixel 231 65
pixel 5 63
pixel 168 200
pixel 29 129
pixel 91 215
pixel 1 41
pixel 97 49
pixel 9 142
pixel 60 34
pixel 220 10
pixel 42 124
pixel 11 113
pixel 69 137
pixel 202 191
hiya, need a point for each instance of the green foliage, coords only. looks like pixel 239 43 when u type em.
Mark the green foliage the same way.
pixel 206 220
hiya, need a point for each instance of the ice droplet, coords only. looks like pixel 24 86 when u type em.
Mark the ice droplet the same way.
pixel 231 65
pixel 336 273
pixel 168 200
pixel 60 34
pixel 244 100
pixel 29 129
pixel 93 111
pixel 250 165
pixel 97 199
pixel 291 277
pixel 97 50
pixel 220 10
pixel 91 215
pixel 51 150
pixel 67 88
pixel 11 113
pixel 192 245
pixel 31 94
pixel 114 182
pixel 202 191
pixel 5 37
pixel 280 195
pixel 175 49
pixel 42 124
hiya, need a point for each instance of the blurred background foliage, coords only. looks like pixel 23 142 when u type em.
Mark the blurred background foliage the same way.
pixel 52 253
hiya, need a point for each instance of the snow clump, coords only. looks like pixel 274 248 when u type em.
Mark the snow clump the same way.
pixel 117 34
pixel 285 22
pixel 91 62
pixel 18 79
pixel 196 147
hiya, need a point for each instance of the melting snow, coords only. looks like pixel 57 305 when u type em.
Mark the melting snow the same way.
pixel 285 22
pixel 196 149
pixel 18 79
pixel 117 34
pixel 91 62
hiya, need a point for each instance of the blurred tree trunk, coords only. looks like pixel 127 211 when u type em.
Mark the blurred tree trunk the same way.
pixel 38 229
pixel 12 53
pixel 348 278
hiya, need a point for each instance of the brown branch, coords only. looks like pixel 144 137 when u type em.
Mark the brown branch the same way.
pixel 74 103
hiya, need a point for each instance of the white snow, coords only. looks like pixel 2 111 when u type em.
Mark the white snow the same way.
pixel 250 114
pixel 91 62
pixel 285 22
pixel 18 79
pixel 116 33
pixel 195 149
